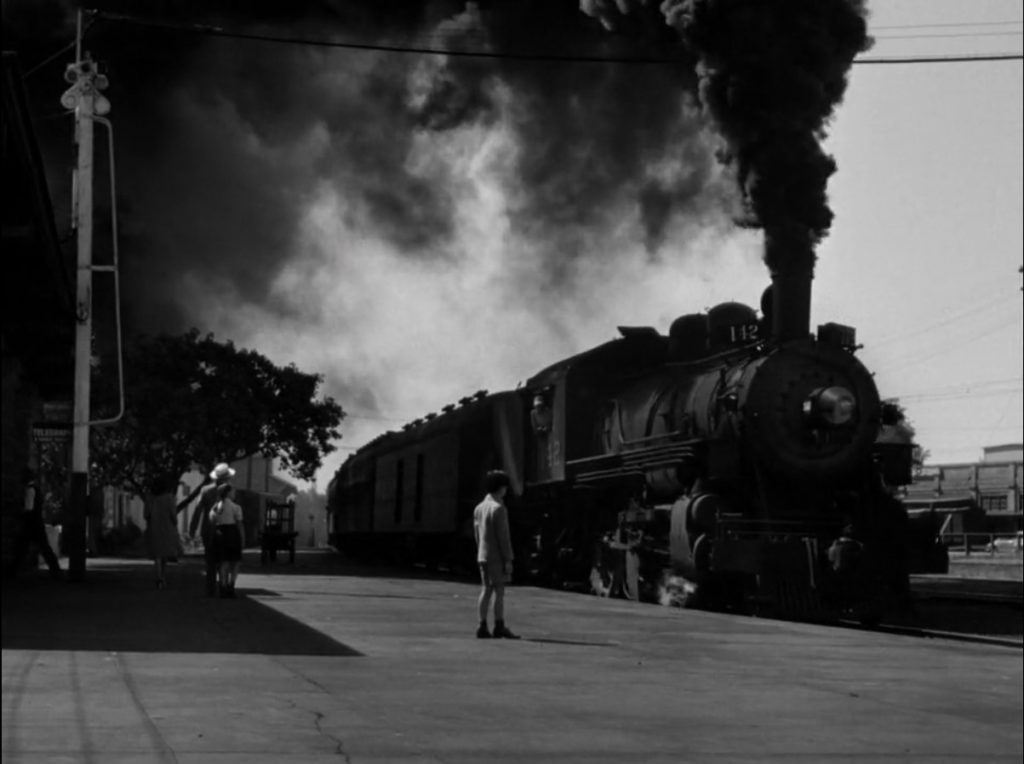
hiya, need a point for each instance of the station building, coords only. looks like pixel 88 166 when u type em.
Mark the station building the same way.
pixel 256 488
pixel 38 331
pixel 983 497
pixel 38 307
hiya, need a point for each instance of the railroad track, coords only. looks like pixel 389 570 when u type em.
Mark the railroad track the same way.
pixel 982 611
pixel 951 636
pixel 968 590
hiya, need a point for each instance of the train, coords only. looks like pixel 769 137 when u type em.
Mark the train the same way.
pixel 716 466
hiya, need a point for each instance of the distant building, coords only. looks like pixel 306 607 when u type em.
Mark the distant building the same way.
pixel 310 520
pixel 255 485
pixel 1010 452
pixel 975 497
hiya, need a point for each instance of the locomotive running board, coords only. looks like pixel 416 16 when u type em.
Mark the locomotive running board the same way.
pixel 632 463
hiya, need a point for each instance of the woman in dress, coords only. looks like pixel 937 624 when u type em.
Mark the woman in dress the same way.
pixel 161 531
pixel 228 538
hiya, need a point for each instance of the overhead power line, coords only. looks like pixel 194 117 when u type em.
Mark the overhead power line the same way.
pixel 948 345
pixel 55 55
pixel 961 395
pixel 216 31
pixel 958 318
pixel 49 58
pixel 1007 386
pixel 981 428
pixel 378 417
pixel 953 24
pixel 949 35
pixel 966 387
pixel 950 59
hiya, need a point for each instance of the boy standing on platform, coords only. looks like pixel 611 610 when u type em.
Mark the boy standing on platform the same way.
pixel 494 554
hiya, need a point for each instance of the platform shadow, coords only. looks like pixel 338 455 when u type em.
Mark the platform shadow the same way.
pixel 118 608
pixel 330 562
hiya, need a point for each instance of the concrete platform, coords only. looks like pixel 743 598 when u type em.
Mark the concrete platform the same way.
pixel 327 662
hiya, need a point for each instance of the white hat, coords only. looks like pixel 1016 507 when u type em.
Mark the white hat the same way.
pixel 222 470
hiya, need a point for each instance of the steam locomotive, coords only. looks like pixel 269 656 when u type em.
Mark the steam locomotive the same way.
pixel 720 466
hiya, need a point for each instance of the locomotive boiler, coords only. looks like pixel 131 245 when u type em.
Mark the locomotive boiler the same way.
pixel 714 466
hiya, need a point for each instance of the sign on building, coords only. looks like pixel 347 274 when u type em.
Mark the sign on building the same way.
pixel 51 432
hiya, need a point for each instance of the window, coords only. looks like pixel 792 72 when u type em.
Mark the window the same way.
pixel 994 502
pixel 540 416
pixel 399 490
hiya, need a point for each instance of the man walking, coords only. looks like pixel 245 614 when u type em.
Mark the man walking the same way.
pixel 221 474
pixel 31 529
pixel 494 554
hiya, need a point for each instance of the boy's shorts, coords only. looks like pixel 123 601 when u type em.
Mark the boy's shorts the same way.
pixel 492 573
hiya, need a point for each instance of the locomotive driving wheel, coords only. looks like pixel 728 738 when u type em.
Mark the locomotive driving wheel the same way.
pixel 686 588
pixel 615 572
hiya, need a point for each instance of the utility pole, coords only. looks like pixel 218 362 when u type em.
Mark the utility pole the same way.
pixel 84 98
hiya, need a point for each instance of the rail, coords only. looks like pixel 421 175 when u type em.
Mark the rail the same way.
pixel 913 631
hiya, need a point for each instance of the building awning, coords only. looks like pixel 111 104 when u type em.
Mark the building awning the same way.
pixel 946 504
pixel 38 295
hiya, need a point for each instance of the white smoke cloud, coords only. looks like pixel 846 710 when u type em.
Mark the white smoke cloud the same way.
pixel 397 337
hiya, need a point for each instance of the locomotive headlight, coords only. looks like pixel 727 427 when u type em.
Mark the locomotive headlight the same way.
pixel 833 406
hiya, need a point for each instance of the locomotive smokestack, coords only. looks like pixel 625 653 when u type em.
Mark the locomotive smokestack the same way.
pixel 789 256
pixel 791 304
pixel 771 74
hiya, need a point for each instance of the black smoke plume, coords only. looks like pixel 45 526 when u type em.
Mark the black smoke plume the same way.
pixel 772 73
pixel 604 171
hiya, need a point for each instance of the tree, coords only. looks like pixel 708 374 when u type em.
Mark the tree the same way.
pixel 190 400
pixel 896 426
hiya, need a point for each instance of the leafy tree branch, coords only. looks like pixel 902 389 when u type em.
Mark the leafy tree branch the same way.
pixel 194 401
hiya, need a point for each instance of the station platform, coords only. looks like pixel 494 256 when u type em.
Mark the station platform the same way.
pixel 327 661
pixel 992 567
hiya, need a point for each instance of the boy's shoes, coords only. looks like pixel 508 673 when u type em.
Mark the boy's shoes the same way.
pixel 501 631
pixel 482 632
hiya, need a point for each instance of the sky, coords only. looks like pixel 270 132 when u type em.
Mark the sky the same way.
pixel 924 253
pixel 416 227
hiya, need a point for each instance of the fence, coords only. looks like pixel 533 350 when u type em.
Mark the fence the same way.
pixel 985 544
